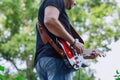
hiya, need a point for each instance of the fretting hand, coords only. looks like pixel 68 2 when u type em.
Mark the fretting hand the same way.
pixel 92 55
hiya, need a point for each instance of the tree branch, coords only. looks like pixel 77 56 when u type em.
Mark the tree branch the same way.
pixel 14 64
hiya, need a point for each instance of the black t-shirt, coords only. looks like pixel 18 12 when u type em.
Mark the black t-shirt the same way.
pixel 45 49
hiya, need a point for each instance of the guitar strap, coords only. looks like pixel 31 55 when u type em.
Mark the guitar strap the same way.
pixel 75 34
pixel 46 38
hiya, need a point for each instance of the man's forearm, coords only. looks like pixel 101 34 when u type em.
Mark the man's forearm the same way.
pixel 56 28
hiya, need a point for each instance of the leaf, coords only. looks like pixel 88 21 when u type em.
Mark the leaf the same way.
pixel 117 72
pixel 2 77
pixel 19 78
pixel 2 68
pixel 117 79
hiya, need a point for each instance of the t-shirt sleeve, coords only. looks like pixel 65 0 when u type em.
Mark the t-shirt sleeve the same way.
pixel 59 4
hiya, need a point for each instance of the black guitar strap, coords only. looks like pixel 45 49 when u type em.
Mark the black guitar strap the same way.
pixel 75 34
pixel 46 38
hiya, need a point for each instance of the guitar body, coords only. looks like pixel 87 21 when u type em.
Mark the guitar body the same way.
pixel 72 60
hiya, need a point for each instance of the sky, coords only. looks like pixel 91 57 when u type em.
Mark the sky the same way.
pixel 107 66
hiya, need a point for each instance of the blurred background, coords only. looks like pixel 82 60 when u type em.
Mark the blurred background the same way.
pixel 97 22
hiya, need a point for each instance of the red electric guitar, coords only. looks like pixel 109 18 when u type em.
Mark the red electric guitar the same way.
pixel 73 60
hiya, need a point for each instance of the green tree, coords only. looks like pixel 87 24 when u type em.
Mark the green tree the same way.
pixel 17 30
pixel 17 34
pixel 97 19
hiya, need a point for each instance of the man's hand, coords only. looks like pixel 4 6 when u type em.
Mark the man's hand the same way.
pixel 92 55
pixel 79 47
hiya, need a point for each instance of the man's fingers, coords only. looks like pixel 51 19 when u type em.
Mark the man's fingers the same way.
pixel 99 55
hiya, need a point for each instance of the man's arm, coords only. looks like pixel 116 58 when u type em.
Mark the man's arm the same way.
pixel 55 27
pixel 53 24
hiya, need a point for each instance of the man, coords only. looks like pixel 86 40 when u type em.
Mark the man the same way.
pixel 49 64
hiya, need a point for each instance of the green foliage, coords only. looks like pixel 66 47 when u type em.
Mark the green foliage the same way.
pixel 2 77
pixel 81 75
pixel 117 75
pixel 89 17
pixel 17 34
pixel 19 76
pixel 2 68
